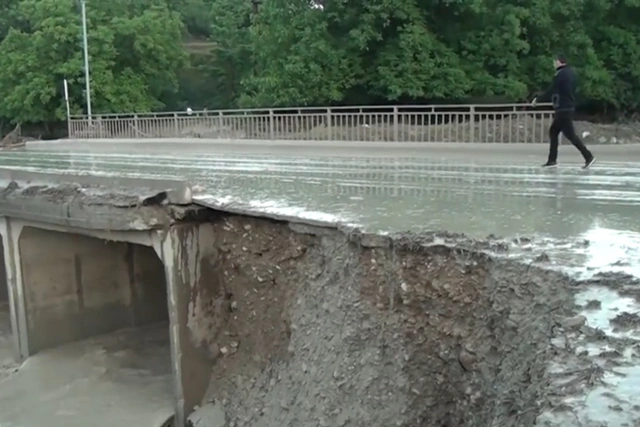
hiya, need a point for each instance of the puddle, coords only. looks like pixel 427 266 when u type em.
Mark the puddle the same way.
pixel 614 404
pixel 614 400
pixel 611 304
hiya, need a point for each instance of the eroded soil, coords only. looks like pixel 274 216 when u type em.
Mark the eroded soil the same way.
pixel 329 328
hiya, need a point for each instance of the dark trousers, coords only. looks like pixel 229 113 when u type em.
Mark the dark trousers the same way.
pixel 563 122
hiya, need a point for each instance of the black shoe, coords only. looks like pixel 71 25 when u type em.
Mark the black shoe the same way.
pixel 550 164
pixel 589 162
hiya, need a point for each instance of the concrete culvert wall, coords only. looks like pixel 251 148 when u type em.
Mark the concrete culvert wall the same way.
pixel 6 344
pixel 317 327
pixel 77 286
pixel 4 286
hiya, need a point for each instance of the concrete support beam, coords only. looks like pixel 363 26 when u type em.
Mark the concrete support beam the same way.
pixel 4 286
pixel 194 284
pixel 10 231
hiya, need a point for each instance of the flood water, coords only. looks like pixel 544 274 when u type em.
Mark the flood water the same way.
pixel 118 379
pixel 586 221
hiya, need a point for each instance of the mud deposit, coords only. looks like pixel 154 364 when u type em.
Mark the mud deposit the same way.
pixel 329 328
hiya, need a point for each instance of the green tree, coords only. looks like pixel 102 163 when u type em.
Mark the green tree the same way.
pixel 616 41
pixel 135 50
pixel 230 61
pixel 296 61
pixel 399 56
pixel 306 52
pixel 9 17
pixel 195 15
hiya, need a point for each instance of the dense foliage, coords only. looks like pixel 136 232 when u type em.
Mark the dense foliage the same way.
pixel 169 54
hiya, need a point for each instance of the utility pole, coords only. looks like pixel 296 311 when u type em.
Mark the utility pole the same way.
pixel 83 5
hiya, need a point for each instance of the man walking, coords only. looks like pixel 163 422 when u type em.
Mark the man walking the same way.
pixel 562 93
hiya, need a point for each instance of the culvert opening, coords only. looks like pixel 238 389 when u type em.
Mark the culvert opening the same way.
pixel 97 324
pixel 77 287
pixel 325 328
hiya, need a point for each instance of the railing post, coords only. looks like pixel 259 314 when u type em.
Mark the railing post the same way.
pixel 220 122
pixel 329 125
pixel 176 131
pixel 272 130
pixel 472 124
pixel 396 131
pixel 97 123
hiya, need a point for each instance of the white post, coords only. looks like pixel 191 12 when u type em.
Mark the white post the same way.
pixel 66 100
pixel 86 56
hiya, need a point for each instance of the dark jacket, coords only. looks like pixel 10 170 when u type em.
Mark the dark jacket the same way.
pixel 562 92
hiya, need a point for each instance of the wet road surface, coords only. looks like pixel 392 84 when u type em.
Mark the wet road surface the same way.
pixel 503 193
pixel 476 189
pixel 586 221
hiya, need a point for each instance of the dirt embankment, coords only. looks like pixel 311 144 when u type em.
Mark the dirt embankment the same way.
pixel 322 327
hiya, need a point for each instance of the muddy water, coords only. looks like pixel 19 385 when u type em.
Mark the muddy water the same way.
pixel 582 222
pixel 123 378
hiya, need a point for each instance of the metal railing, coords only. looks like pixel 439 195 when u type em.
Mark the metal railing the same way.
pixel 496 123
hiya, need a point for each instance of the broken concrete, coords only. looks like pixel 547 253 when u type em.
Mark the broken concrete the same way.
pixel 82 203
pixel 209 415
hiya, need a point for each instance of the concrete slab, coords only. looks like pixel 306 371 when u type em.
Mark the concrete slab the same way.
pixel 64 201
pixel 121 379
pixel 177 192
